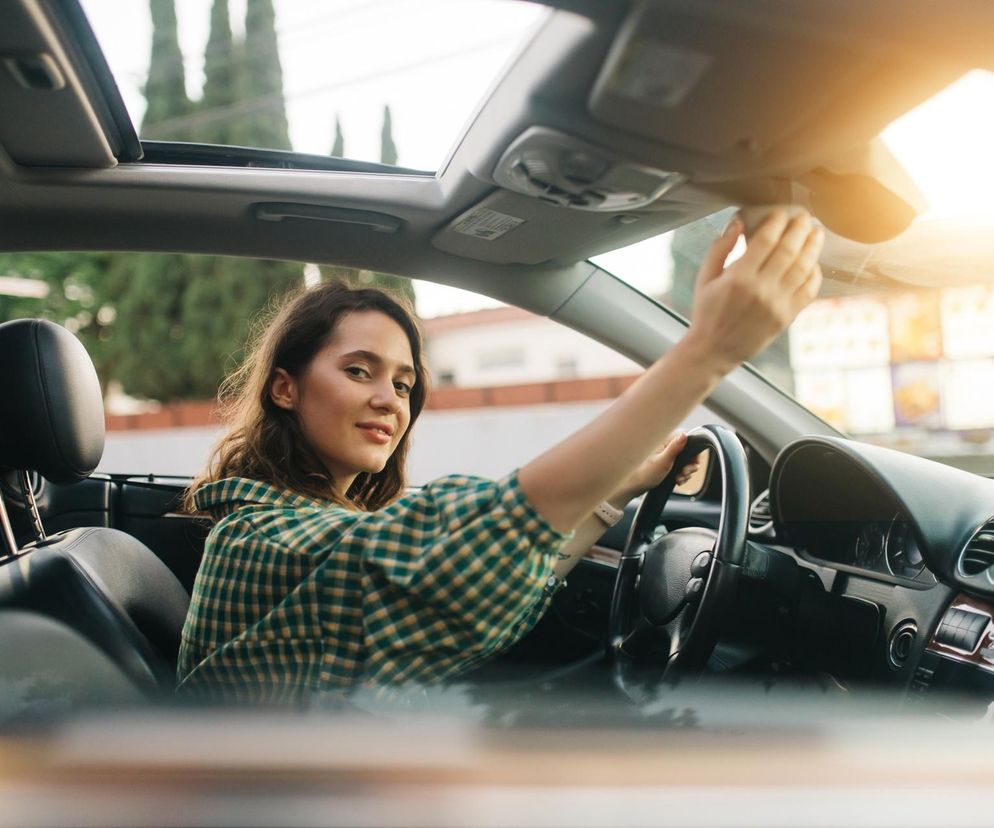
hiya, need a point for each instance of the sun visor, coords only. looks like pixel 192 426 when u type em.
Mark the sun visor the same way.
pixel 48 120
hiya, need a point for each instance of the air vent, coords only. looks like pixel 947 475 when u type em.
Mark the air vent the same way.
pixel 760 517
pixel 979 552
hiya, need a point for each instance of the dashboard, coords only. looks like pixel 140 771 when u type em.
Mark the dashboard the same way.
pixel 889 516
pixel 908 541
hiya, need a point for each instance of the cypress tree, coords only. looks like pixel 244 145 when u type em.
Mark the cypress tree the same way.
pixel 122 306
pixel 220 80
pixel 338 147
pixel 265 124
pixel 388 150
pixel 165 87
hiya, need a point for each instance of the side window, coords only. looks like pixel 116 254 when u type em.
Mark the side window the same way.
pixel 506 384
pixel 164 330
pixel 899 348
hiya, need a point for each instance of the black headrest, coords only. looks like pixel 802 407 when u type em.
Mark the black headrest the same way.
pixel 51 408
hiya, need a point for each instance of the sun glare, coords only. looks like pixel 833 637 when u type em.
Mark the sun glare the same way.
pixel 945 145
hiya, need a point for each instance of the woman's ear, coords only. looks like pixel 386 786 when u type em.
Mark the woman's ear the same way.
pixel 283 390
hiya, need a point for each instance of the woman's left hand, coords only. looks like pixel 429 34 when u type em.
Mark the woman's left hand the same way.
pixel 652 471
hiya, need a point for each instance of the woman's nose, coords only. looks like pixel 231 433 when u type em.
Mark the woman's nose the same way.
pixel 385 398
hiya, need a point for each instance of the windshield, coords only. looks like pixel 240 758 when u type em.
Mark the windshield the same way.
pixel 899 348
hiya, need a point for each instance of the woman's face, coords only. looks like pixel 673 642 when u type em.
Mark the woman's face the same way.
pixel 353 399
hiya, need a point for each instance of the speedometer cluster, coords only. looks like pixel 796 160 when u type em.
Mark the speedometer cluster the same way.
pixel 871 542
pixel 887 547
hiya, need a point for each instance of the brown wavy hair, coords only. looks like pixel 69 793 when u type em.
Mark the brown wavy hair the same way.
pixel 263 441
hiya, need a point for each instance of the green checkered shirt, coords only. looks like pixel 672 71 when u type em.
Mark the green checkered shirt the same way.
pixel 298 596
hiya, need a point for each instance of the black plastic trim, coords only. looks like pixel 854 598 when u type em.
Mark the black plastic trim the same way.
pixel 214 155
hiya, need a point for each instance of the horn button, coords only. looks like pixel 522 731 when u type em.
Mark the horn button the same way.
pixel 674 572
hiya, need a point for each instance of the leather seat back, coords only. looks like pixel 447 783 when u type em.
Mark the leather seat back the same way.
pixel 110 588
pixel 47 669
pixel 102 583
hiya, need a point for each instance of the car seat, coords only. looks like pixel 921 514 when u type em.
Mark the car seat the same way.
pixel 102 583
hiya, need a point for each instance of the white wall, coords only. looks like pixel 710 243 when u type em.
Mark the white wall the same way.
pixel 482 441
pixel 542 342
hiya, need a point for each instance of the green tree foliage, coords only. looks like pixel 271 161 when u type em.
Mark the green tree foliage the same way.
pixel 338 147
pixel 80 290
pixel 214 123
pixel 168 326
pixel 397 285
pixel 165 89
pixel 184 319
pixel 149 321
pixel 223 295
pixel 388 150
pixel 264 123
pixel 151 326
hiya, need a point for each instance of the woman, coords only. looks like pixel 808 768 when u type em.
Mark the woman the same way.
pixel 319 575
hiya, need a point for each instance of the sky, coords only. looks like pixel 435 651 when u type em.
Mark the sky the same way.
pixel 432 61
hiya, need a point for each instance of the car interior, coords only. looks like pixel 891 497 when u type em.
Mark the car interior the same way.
pixel 829 559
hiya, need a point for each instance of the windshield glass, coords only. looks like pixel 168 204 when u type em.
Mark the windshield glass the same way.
pixel 357 79
pixel 899 348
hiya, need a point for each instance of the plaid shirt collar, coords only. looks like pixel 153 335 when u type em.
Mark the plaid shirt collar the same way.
pixel 224 496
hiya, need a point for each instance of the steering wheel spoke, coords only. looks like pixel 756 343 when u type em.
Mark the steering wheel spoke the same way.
pixel 646 640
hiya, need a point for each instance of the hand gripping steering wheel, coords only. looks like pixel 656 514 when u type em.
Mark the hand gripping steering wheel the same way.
pixel 671 590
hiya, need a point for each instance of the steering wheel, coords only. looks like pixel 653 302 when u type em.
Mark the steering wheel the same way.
pixel 671 591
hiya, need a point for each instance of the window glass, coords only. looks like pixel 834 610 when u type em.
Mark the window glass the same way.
pixel 357 79
pixel 899 348
pixel 164 329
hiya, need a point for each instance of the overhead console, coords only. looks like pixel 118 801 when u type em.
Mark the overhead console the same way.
pixel 687 108
pixel 544 171
pixel 567 172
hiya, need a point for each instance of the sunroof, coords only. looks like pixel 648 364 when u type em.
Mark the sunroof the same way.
pixel 381 81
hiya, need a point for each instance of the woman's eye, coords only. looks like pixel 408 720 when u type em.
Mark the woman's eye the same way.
pixel 402 388
pixel 357 371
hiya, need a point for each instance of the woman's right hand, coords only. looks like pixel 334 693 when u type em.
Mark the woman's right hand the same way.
pixel 740 309
pixel 737 311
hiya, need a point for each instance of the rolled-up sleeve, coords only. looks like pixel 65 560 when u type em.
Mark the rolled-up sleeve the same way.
pixel 451 574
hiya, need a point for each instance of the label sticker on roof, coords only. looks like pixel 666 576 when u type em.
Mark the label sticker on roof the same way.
pixel 484 223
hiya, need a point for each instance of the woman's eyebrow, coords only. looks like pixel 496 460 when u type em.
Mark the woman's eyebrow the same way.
pixel 369 356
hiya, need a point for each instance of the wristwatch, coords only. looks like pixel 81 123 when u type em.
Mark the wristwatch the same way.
pixel 608 514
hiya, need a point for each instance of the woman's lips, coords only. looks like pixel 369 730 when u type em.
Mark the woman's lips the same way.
pixel 374 433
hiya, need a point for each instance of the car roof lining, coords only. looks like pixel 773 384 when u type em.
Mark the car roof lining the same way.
pixel 212 209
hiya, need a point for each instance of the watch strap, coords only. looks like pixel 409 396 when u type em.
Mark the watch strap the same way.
pixel 607 514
